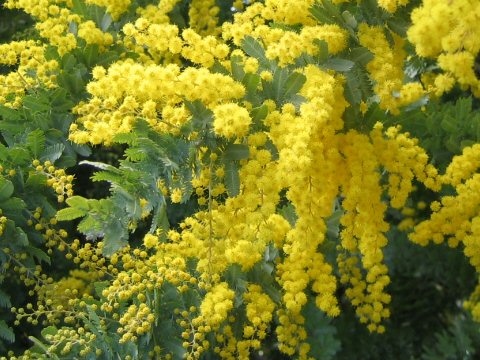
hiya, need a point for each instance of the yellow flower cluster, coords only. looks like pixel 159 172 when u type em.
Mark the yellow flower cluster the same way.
pixel 14 51
pixel 309 135
pixel 282 44
pixel 114 7
pixel 136 321
pixel 392 5
pixel 462 167
pixel 65 291
pixel 150 241
pixel 289 12
pixel 203 17
pixel 194 333
pixel 316 163
pixel 473 303
pixel 472 245
pixel 231 120
pixel 54 21
pixel 291 334
pixel 363 233
pixel 364 228
pixel 93 35
pixel 311 187
pixel 88 257
pixel 160 40
pixel 127 89
pixel 158 13
pixel 57 179
pixel 176 196
pixel 66 338
pixel 404 160
pixel 203 51
pixel 216 305
pixel 259 312
pixel 448 31
pixel 386 69
pixel 248 22
pixel 453 217
pixel 135 274
pixel 32 70
pixel 60 25
pixel 238 231
pixel 290 45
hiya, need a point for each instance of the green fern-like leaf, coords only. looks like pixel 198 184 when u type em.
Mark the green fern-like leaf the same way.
pixel 70 214
pixel 459 341
pixel 36 142
pixel 5 300
pixel 6 332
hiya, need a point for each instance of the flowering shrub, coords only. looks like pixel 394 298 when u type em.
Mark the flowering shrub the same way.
pixel 269 163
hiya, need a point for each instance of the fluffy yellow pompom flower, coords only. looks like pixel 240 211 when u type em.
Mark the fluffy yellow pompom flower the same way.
pixel 150 241
pixel 448 31
pixel 114 7
pixel 392 5
pixel 176 196
pixel 231 120
pixel 216 305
